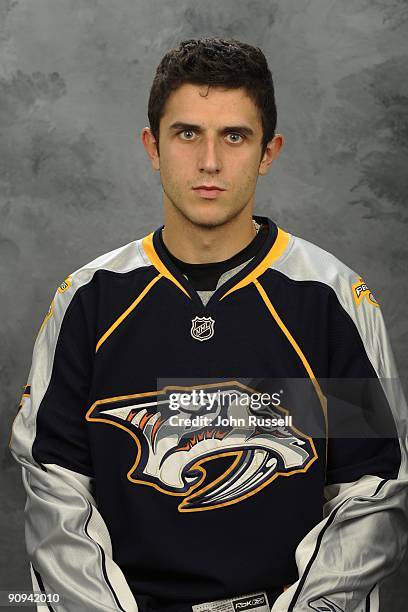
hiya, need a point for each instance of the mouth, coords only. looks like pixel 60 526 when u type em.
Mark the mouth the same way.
pixel 189 441
pixel 208 191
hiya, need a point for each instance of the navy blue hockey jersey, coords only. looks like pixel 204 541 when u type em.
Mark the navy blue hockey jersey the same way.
pixel 156 484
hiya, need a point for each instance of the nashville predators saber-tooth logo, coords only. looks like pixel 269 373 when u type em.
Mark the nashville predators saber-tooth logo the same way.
pixel 172 457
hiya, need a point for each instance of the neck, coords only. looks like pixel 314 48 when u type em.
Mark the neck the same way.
pixel 197 244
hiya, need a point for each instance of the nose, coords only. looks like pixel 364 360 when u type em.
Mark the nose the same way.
pixel 209 159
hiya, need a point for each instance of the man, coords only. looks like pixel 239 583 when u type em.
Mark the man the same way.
pixel 134 505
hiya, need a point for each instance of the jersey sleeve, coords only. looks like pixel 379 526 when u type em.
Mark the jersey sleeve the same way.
pixel 67 540
pixel 363 534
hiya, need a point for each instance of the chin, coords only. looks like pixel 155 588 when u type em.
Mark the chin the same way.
pixel 207 221
pixel 210 217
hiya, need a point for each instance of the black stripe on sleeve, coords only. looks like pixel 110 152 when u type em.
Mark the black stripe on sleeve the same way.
pixel 41 585
pixel 317 547
pixel 103 559
pixel 368 599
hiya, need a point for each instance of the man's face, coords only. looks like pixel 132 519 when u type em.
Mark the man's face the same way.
pixel 209 136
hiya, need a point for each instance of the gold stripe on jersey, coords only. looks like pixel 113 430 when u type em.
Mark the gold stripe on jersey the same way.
pixel 47 316
pixel 157 262
pixel 127 312
pixel 319 392
pixel 277 249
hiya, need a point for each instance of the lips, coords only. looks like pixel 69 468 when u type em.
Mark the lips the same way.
pixel 209 192
pixel 209 187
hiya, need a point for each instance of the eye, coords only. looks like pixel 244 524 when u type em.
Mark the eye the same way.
pixel 234 134
pixel 182 132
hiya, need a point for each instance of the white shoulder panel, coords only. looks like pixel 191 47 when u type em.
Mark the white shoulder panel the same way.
pixel 123 259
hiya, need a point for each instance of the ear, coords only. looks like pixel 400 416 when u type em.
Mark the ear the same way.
pixel 271 152
pixel 150 144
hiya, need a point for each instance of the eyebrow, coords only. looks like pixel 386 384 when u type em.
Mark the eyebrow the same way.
pixel 180 125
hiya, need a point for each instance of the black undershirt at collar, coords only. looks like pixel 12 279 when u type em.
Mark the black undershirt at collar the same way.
pixel 204 276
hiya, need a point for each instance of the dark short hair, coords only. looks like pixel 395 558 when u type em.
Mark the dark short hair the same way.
pixel 228 63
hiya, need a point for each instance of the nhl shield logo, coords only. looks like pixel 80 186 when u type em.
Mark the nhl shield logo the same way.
pixel 202 328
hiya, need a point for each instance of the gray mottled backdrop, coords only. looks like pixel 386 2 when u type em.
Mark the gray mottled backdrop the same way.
pixel 75 181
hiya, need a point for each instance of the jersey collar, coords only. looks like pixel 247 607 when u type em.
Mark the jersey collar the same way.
pixel 272 249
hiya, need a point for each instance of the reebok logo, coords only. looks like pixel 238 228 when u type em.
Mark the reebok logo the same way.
pixel 248 603
pixel 322 604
